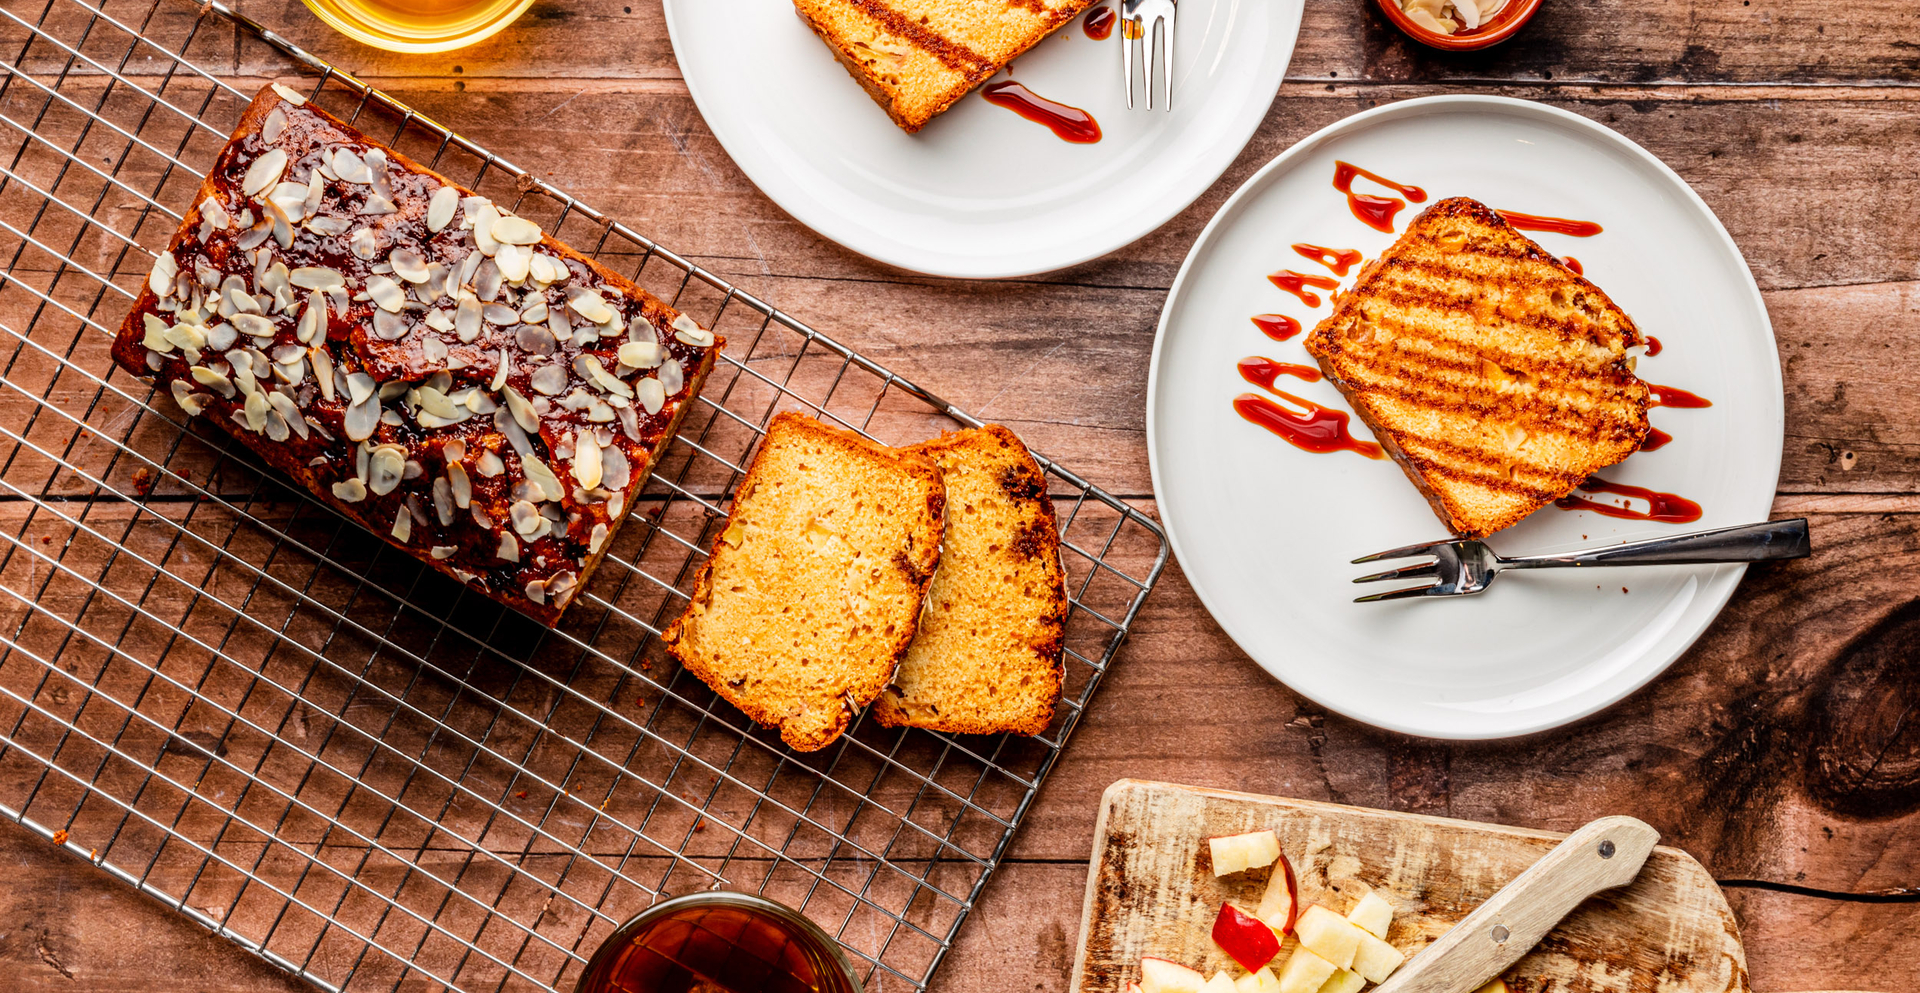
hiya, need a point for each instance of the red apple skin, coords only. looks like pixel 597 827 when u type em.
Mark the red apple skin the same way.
pixel 1242 936
pixel 1293 890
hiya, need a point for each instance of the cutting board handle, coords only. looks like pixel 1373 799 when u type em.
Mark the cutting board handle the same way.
pixel 1606 853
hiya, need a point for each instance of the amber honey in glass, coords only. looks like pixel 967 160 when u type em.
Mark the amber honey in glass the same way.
pixel 718 943
pixel 418 25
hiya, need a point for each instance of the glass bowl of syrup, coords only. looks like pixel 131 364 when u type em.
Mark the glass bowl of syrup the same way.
pixel 418 25
pixel 718 942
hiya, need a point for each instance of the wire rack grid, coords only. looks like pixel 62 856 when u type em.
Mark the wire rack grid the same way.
pixel 219 692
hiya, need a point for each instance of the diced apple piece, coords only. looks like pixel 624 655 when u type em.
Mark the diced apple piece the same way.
pixel 1373 913
pixel 1220 983
pixel 1344 981
pixel 1261 980
pixel 1305 972
pixel 1375 959
pixel 1280 904
pixel 1329 935
pixel 1163 976
pixel 1239 852
pixel 1242 936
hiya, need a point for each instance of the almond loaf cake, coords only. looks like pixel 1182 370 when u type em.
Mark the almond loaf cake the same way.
pixel 987 656
pixel 812 593
pixel 1495 376
pixel 429 365
pixel 916 58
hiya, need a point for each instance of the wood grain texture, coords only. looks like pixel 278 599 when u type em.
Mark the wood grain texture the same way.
pixel 1757 752
pixel 1151 891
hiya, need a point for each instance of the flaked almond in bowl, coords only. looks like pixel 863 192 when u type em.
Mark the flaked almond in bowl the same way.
pixel 1459 25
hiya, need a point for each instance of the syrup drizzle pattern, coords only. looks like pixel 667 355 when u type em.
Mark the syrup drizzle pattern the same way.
pixel 1069 124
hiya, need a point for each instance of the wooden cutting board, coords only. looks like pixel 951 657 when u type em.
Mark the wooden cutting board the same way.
pixel 1151 891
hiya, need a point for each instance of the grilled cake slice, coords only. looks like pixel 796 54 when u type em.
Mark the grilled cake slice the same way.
pixel 916 58
pixel 987 656
pixel 1497 377
pixel 813 590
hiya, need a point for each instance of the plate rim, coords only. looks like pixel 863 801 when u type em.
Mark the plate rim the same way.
pixel 1148 223
pixel 1717 586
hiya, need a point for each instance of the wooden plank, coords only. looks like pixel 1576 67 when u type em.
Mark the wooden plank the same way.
pixel 1628 41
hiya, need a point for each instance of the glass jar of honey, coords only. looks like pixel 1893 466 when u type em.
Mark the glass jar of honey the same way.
pixel 418 25
pixel 718 942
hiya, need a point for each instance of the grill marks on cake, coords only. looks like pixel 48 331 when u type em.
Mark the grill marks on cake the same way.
pixel 1497 377
pixel 952 54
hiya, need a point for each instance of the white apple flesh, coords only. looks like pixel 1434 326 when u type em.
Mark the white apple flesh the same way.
pixel 1344 981
pixel 1261 980
pixel 1220 983
pixel 1162 976
pixel 1375 959
pixel 1329 935
pixel 1305 972
pixel 1240 852
pixel 1373 913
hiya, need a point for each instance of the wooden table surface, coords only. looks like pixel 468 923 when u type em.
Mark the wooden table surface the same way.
pixel 1783 751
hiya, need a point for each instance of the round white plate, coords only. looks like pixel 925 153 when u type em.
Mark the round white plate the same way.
pixel 981 192
pixel 1265 531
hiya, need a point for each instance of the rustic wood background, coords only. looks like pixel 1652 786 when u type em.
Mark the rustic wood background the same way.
pixel 1783 751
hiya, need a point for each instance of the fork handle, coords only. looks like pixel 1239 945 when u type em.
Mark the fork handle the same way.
pixel 1745 543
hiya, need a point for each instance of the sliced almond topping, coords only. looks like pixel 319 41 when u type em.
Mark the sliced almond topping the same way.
pixel 350 490
pixel 513 230
pixel 385 293
pixel 317 278
pixel 586 459
pixel 443 551
pixel 289 95
pixel 440 208
pixel 640 354
pixel 264 172
pixel 402 526
pixel 165 270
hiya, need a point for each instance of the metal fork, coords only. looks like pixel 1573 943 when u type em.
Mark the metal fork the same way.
pixel 1463 566
pixel 1138 18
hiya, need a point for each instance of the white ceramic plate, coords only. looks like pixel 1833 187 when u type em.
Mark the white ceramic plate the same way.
pixel 1265 531
pixel 981 192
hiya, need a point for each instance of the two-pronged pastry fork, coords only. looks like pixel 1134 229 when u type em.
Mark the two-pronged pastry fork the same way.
pixel 1462 566
pixel 1138 18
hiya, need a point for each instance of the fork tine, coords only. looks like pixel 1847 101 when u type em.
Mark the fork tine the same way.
pixel 1417 591
pixel 1166 58
pixel 1424 548
pixel 1147 32
pixel 1127 27
pixel 1404 572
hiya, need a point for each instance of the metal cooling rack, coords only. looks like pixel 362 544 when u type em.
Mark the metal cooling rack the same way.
pixel 258 714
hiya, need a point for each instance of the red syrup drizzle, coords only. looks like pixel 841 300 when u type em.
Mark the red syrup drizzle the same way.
pixel 1656 439
pixel 1320 430
pixel 1375 212
pixel 1068 123
pixel 1296 283
pixel 1557 225
pixel 1264 372
pixel 1098 24
pixel 1279 327
pixel 1574 264
pixel 1337 259
pixel 1653 346
pixel 1666 508
pixel 1672 396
